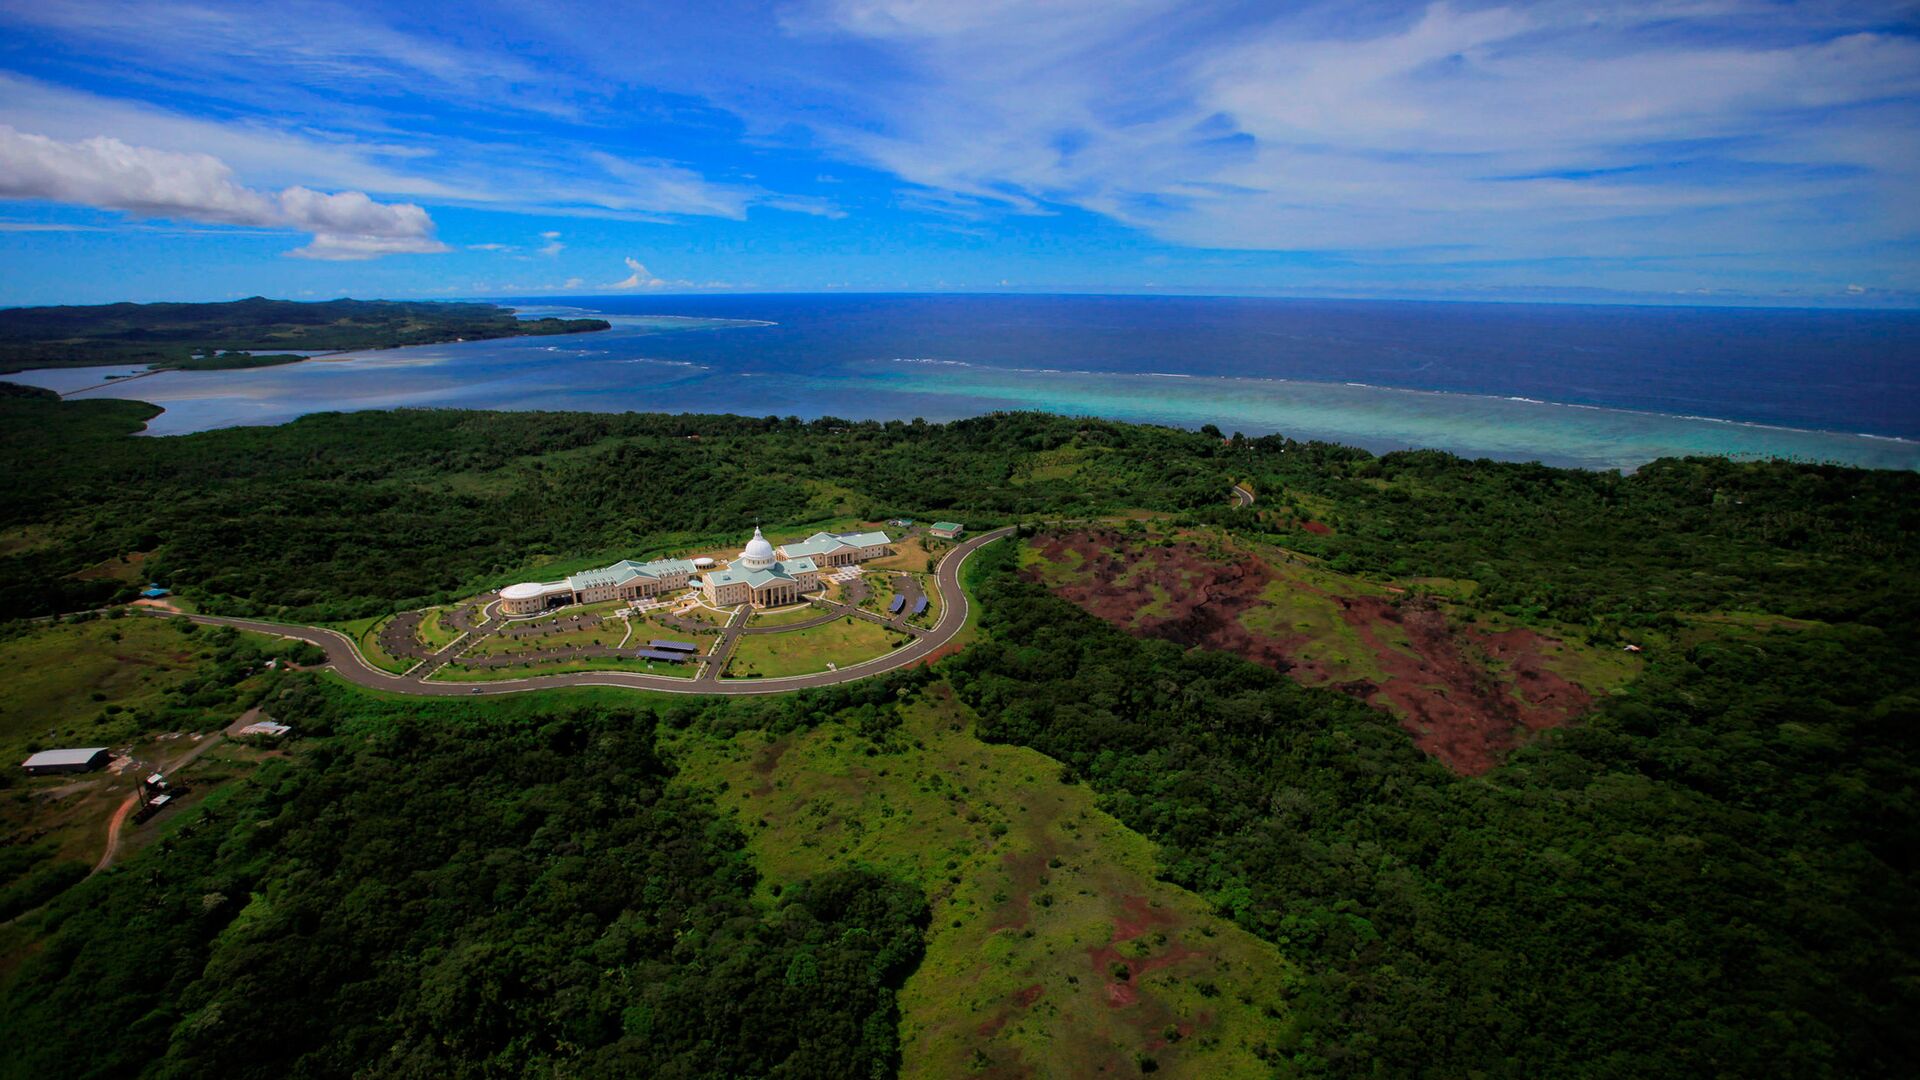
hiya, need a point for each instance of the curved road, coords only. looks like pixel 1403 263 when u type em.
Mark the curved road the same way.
pixel 1243 495
pixel 344 658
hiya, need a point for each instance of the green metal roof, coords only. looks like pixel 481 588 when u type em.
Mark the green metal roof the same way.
pixel 821 543
pixel 627 570
pixel 780 571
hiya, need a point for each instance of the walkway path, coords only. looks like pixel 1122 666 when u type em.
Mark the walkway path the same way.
pixel 345 659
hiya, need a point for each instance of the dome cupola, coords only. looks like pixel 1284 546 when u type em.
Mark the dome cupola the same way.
pixel 758 554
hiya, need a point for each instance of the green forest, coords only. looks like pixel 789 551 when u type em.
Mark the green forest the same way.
pixel 192 335
pixel 1711 873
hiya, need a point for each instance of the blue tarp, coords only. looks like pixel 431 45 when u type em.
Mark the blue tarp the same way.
pixel 673 646
pixel 898 603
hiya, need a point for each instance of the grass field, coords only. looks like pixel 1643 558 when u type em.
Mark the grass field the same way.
pixel 802 652
pixel 1036 894
pixel 62 679
pixel 104 682
pixel 366 637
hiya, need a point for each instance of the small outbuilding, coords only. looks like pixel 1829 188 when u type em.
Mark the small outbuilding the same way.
pixel 155 591
pixel 948 530
pixel 84 759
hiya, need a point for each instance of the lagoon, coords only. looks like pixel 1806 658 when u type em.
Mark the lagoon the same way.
pixel 1587 387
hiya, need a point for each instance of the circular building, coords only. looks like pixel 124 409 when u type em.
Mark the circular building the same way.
pixel 531 597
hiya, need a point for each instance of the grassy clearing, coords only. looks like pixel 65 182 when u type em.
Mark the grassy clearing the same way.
pixel 104 682
pixel 89 683
pixel 909 553
pixel 1036 895
pixel 1068 567
pixel 1327 640
pixel 1597 670
pixel 802 652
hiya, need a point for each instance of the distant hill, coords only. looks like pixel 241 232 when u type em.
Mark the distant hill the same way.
pixel 171 334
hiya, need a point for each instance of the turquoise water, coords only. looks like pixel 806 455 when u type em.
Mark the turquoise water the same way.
pixel 1597 396
pixel 1382 418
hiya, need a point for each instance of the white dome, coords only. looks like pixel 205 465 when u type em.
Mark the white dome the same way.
pixel 703 563
pixel 758 552
pixel 526 590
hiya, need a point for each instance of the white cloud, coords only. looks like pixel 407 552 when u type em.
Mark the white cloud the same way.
pixel 641 278
pixel 110 174
pixel 1517 129
pixel 553 246
pixel 488 247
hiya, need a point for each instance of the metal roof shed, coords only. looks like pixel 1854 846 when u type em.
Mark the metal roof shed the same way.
pixel 80 759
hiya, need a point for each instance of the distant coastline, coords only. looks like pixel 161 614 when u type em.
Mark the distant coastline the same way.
pixel 1561 387
pixel 251 333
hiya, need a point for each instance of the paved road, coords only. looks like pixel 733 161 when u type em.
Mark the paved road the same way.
pixel 345 659
pixel 1243 494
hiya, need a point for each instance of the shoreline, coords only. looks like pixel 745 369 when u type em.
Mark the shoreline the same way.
pixel 1375 417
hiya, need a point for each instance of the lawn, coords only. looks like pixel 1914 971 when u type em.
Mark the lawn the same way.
pixel 434 633
pixel 785 618
pixel 1036 896
pixel 701 613
pixel 366 637
pixel 802 652
pixel 931 588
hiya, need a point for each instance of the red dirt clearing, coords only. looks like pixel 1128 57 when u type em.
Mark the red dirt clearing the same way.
pixel 1466 695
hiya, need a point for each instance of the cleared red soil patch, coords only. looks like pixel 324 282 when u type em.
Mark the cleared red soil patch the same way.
pixel 1466 695
pixel 1138 917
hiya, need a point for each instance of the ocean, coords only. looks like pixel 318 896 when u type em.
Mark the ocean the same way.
pixel 1587 386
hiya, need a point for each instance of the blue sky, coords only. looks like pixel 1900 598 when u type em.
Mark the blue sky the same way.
pixel 1717 151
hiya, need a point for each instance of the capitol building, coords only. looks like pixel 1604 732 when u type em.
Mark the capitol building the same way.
pixel 768 577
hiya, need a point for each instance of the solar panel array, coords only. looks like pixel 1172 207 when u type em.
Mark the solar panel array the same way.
pixel 662 654
pixel 898 603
